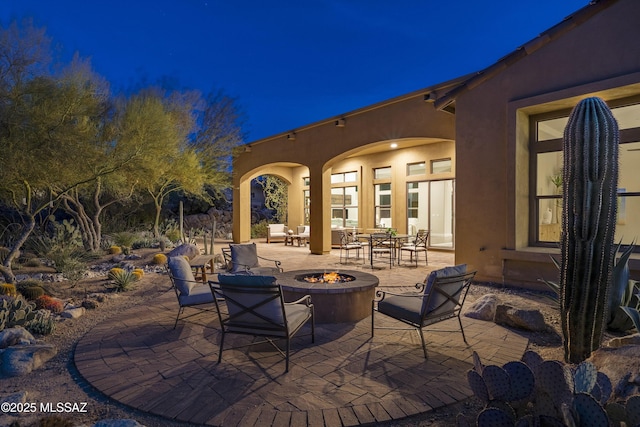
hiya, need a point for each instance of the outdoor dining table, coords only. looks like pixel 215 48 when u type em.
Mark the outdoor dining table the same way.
pixel 395 241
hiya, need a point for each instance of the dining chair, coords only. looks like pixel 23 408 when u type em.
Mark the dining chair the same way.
pixel 348 244
pixel 418 245
pixel 381 246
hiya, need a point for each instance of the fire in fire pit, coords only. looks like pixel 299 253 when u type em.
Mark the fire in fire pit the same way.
pixel 332 277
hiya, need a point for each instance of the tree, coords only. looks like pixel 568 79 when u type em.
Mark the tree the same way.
pixel 45 122
pixel 275 196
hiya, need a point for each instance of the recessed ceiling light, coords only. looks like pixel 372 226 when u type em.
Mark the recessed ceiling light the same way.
pixel 394 145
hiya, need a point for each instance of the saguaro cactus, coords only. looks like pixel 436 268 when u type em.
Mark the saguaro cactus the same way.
pixel 590 177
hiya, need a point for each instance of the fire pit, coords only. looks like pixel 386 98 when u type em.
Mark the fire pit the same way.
pixel 331 278
pixel 338 297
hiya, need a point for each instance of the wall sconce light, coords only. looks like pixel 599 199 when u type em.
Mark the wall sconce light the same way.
pixel 340 123
pixel 291 136
pixel 430 97
pixel 247 148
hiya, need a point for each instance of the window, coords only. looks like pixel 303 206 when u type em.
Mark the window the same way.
pixel 430 207
pixel 338 178
pixel 382 173
pixel 416 169
pixel 546 177
pixel 344 207
pixel 382 212
pixel 440 166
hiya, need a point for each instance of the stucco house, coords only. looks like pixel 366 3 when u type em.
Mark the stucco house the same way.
pixel 475 159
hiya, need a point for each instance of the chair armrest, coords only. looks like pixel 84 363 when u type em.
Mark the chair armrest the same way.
pixel 382 294
pixel 276 262
pixel 306 300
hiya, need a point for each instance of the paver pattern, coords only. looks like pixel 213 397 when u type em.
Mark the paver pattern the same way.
pixel 346 378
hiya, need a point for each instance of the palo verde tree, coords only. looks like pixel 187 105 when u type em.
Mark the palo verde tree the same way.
pixel 45 122
pixel 197 156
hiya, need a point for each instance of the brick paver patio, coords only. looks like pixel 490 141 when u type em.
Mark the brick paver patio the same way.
pixel 346 378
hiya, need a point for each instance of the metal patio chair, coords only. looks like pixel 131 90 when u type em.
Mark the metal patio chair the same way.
pixel 439 298
pixel 255 306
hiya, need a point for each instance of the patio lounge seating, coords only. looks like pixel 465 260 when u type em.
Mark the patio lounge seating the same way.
pixel 276 232
pixel 414 248
pixel 189 291
pixel 243 258
pixel 256 307
pixel 439 298
pixel 303 231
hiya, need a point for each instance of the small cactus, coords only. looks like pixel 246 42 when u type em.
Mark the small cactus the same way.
pixel 137 273
pixel 45 302
pixel 42 323
pixel 8 289
pixel 32 292
pixel 115 250
pixel 160 259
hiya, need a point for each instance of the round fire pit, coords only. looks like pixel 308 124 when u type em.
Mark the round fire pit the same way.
pixel 345 299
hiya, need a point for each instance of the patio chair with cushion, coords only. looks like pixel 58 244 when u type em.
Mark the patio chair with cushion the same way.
pixel 255 306
pixel 439 298
pixel 276 232
pixel 189 291
pixel 243 258
pixel 414 248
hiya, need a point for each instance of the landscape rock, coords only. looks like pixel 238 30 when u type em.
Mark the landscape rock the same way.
pixel 15 336
pixel 616 342
pixel 22 359
pixel 73 313
pixel 20 397
pixel 118 423
pixel 484 308
pixel 621 365
pixel 530 320
pixel 186 249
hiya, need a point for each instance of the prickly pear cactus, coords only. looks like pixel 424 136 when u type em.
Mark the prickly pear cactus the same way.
pixel 590 177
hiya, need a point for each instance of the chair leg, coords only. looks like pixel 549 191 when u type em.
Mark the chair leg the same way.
pixel 178 317
pixel 220 352
pixel 286 369
pixel 372 311
pixel 424 346
pixel 464 338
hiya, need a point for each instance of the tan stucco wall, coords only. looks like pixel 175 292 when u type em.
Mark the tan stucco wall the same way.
pixel 323 148
pixel 492 137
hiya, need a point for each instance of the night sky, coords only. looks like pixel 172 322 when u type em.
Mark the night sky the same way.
pixel 290 63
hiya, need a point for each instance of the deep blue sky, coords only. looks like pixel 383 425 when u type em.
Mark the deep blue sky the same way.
pixel 290 63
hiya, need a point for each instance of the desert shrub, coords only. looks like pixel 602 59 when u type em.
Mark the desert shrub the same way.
pixel 115 250
pixel 124 239
pixel 159 259
pixel 171 230
pixel 120 280
pixel 45 302
pixel 33 262
pixel 259 229
pixel 8 289
pixel 144 242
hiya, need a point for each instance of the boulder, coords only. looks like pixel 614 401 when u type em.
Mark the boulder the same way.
pixel 15 336
pixel 22 359
pixel 186 249
pixel 529 320
pixel 622 366
pixel 484 308
pixel 73 313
